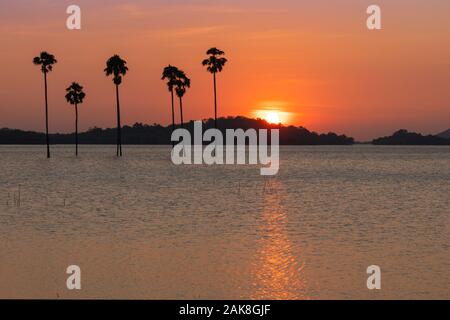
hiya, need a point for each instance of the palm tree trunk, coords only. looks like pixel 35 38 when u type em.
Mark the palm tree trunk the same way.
pixel 119 136
pixel 76 130
pixel 215 101
pixel 181 117
pixel 181 112
pixel 46 117
pixel 173 116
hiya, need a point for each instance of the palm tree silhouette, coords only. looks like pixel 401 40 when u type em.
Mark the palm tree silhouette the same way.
pixel 182 83
pixel 171 74
pixel 117 67
pixel 74 96
pixel 215 63
pixel 46 61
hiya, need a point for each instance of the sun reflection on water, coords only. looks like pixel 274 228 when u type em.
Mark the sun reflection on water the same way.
pixel 278 271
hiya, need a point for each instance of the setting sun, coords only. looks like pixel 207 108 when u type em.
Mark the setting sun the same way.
pixel 272 117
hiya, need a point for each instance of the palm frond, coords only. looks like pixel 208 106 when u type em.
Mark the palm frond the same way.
pixel 45 60
pixel 116 66
pixel 214 63
pixel 75 94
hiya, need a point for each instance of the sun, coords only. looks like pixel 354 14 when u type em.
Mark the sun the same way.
pixel 272 117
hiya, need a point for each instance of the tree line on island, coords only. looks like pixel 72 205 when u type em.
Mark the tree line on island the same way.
pixel 404 137
pixel 177 82
pixel 144 134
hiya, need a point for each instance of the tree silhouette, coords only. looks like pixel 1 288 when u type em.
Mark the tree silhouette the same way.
pixel 46 61
pixel 75 96
pixel 172 75
pixel 182 83
pixel 215 63
pixel 117 67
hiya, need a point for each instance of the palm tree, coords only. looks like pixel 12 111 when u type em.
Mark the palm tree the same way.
pixel 181 84
pixel 46 61
pixel 215 63
pixel 171 74
pixel 117 67
pixel 74 96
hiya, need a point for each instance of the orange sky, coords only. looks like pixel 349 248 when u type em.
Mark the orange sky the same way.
pixel 313 60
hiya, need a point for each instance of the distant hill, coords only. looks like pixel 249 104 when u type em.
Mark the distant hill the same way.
pixel 445 134
pixel 156 134
pixel 403 137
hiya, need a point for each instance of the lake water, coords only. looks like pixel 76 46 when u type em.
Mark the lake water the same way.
pixel 141 227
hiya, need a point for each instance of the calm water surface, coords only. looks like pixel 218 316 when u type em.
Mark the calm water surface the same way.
pixel 140 227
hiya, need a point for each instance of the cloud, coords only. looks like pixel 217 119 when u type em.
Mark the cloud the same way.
pixel 192 31
pixel 134 10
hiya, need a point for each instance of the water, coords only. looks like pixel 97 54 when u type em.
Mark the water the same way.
pixel 140 227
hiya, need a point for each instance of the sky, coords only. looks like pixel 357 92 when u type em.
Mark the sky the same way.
pixel 314 62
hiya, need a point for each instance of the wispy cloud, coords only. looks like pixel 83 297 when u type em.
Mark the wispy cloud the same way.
pixel 192 31
pixel 184 32
pixel 135 10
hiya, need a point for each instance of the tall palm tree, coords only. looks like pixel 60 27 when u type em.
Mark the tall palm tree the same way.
pixel 215 63
pixel 75 96
pixel 46 61
pixel 171 74
pixel 117 67
pixel 181 84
